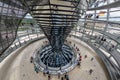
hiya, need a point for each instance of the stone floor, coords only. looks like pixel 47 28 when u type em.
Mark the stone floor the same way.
pixel 17 66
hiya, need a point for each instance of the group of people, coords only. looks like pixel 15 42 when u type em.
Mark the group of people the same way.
pixel 65 77
pixel 35 67
pixel 91 70
pixel 80 59
pixel 102 40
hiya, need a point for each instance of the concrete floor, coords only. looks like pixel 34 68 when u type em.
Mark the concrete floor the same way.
pixel 17 66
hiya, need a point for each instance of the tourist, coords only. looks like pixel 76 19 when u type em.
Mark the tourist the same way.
pixel 90 71
pixel 112 47
pixel 49 77
pixel 58 75
pixel 78 49
pixel 36 69
pixel 62 78
pixel 92 59
pixel 85 56
pixel 80 58
pixel 78 64
pixel 44 74
pixel 66 77
pixel 65 74
pixel 31 59
pixel 74 45
pixel 6 37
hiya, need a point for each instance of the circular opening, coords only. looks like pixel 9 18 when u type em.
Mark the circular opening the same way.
pixel 56 59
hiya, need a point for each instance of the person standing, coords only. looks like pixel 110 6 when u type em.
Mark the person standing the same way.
pixel 92 59
pixel 58 75
pixel 90 71
pixel 49 77
pixel 62 78
pixel 85 56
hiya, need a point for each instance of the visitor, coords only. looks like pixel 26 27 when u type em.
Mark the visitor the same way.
pixel 104 39
pixel 6 36
pixel 62 78
pixel 66 77
pixel 97 16
pixel 78 49
pixel 92 59
pixel 36 69
pixel 74 45
pixel 49 77
pixel 78 64
pixel 44 74
pixel 112 47
pixel 90 71
pixel 85 56
pixel 80 58
pixel 31 59
pixel 58 75
pixel 47 72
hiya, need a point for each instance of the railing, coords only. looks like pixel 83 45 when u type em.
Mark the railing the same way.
pixel 21 41
pixel 42 67
pixel 110 61
pixel 98 4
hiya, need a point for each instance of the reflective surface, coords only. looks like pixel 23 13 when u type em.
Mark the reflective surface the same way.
pixel 57 59
pixel 11 13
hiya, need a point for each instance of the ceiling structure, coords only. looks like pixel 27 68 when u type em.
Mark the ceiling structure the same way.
pixel 55 17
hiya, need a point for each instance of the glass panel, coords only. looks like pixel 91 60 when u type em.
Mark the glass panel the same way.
pixel 9 20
